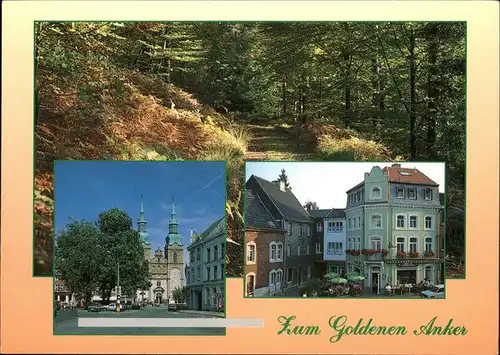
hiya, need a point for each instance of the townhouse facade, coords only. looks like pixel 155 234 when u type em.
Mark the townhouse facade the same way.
pixel 330 240
pixel 295 222
pixel 205 274
pixel 265 252
pixel 392 235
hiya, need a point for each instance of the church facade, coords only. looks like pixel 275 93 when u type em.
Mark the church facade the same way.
pixel 166 265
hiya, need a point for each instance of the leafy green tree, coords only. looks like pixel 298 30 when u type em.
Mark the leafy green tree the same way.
pixel 78 254
pixel 88 256
pixel 124 251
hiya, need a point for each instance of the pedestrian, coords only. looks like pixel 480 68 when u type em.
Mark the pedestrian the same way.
pixel 388 288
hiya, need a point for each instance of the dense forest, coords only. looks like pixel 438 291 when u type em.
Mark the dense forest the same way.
pixel 348 91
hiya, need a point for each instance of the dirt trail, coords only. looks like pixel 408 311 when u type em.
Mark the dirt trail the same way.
pixel 276 143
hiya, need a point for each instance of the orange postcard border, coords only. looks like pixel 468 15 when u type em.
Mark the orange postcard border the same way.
pixel 26 301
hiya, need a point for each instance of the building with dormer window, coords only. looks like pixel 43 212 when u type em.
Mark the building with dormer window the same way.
pixel 393 234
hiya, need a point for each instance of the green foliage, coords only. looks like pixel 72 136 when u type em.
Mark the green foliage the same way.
pixel 89 256
pixel 181 294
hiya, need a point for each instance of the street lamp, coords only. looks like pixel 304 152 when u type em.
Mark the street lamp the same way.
pixel 167 242
pixel 118 289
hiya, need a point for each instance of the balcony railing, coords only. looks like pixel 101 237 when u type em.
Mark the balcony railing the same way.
pixel 395 257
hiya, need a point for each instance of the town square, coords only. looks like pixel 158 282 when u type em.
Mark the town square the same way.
pixel 108 268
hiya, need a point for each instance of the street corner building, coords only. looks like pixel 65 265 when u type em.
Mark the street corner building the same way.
pixel 278 240
pixel 165 266
pixel 394 221
pixel 391 231
pixel 206 271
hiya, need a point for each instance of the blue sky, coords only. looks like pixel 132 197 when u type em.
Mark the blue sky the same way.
pixel 326 183
pixel 85 189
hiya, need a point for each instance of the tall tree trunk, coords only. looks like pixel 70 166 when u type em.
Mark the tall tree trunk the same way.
pixel 283 98
pixel 413 97
pixel 432 92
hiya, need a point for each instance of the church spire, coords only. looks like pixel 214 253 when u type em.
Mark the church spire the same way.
pixel 172 226
pixel 142 224
pixel 173 236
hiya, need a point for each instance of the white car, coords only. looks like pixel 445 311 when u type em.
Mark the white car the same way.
pixel 111 307
pixel 436 291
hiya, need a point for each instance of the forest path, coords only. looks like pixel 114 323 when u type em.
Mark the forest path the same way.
pixel 276 143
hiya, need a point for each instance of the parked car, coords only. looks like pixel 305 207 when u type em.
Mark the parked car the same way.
pixel 437 291
pixel 135 306
pixel 172 307
pixel 111 307
pixel 95 307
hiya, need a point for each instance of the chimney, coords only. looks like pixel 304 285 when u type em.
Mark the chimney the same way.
pixel 366 175
pixel 282 185
pixel 308 207
pixel 396 165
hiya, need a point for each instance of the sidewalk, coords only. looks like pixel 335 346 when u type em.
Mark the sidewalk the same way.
pixel 202 313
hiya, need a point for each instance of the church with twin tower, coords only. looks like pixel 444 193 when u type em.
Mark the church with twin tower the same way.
pixel 165 266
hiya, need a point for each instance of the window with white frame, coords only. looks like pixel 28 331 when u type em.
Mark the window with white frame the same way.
pixel 272 277
pixel 279 251
pixel 400 192
pixel 289 227
pixel 428 244
pixel 358 243
pixel 308 230
pixel 251 252
pixel 335 248
pixel 335 227
pixel 298 229
pixel 376 243
pixel 279 276
pixel 376 221
pixel 429 222
pixel 359 222
pixel 413 222
pixel 273 251
pixel 412 193
pixel 309 271
pixel 375 192
pixel 298 250
pixel 335 269
pixel 349 243
pixel 400 221
pixel 308 250
pixel 318 248
pixel 400 244
pixel 319 227
pixel 413 245
pixel 349 223
pixel 354 220
pixel 428 194
pixel 289 250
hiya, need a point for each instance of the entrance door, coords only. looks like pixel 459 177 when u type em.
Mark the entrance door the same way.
pixel 299 275
pixel 375 281
pixel 199 300
pixel 158 298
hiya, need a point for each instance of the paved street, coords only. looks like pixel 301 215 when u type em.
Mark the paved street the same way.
pixel 66 323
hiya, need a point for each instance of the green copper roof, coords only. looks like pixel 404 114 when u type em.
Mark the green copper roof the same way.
pixel 173 228
pixel 142 225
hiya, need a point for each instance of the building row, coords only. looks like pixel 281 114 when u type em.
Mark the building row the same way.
pixel 391 231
